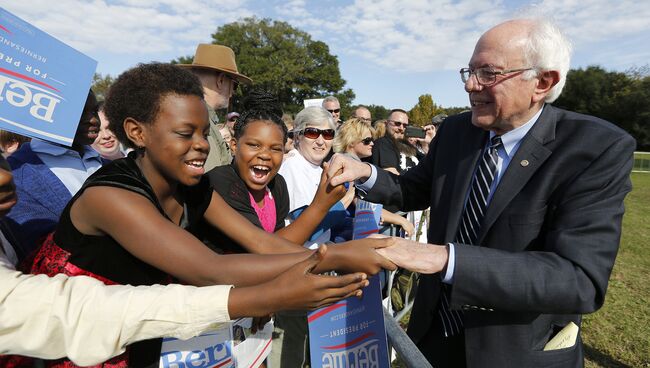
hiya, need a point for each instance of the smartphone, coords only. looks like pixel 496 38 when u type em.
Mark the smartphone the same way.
pixel 414 132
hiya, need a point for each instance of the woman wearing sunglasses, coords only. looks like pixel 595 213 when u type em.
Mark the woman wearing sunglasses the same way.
pixel 355 139
pixel 313 134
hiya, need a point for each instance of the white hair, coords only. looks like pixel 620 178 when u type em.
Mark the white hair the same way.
pixel 314 115
pixel 547 48
pixel 330 99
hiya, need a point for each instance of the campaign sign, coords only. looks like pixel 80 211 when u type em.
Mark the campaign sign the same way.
pixel 211 349
pixel 231 345
pixel 43 82
pixel 366 219
pixel 350 333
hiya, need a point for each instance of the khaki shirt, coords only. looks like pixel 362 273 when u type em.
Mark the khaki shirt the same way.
pixel 219 150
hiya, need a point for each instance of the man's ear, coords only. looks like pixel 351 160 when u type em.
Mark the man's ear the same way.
pixel 545 81
pixel 135 132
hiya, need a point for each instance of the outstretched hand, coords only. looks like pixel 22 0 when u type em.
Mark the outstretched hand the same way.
pixel 417 257
pixel 299 288
pixel 358 256
pixel 327 195
pixel 346 169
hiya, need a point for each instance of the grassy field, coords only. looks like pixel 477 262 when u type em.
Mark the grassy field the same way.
pixel 618 335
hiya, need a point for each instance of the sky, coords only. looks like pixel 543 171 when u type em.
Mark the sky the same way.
pixel 390 51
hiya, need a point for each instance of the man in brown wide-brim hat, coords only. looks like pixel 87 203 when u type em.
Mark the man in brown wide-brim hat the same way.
pixel 217 70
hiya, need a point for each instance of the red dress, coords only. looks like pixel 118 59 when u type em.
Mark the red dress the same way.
pixel 72 253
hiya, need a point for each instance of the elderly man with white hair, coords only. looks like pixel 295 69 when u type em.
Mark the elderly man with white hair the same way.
pixel 527 200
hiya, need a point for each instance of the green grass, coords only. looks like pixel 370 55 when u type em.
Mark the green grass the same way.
pixel 618 335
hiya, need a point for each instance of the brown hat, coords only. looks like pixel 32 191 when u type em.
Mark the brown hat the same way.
pixel 217 57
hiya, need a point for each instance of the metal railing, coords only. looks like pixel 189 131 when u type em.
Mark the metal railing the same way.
pixel 641 162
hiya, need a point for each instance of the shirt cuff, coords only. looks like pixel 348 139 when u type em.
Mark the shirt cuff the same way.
pixel 369 183
pixel 451 264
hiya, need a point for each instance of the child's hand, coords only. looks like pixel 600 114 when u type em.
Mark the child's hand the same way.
pixel 327 195
pixel 358 256
pixel 299 288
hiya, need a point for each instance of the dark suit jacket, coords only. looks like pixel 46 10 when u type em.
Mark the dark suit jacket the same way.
pixel 549 238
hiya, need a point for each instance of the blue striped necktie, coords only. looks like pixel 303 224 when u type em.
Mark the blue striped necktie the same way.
pixel 470 224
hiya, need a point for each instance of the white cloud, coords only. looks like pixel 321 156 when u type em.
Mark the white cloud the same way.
pixel 393 35
pixel 130 27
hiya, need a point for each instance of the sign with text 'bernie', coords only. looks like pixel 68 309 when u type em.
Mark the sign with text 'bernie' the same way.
pixel 351 333
pixel 43 82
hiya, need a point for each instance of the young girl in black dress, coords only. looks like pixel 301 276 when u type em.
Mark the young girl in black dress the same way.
pixel 251 184
pixel 133 220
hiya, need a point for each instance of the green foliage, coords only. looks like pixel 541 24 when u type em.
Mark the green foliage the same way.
pixel 423 111
pixel 621 98
pixel 183 60
pixel 101 84
pixel 377 112
pixel 283 60
pixel 618 335
pixel 454 110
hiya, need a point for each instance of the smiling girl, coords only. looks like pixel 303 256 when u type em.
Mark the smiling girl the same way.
pixel 251 184
pixel 133 221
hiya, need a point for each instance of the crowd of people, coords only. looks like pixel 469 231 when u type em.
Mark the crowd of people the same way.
pixel 161 220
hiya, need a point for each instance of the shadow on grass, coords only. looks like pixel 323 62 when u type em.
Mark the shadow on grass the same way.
pixel 602 359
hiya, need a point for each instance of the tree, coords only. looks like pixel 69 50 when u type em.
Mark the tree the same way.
pixel 101 84
pixel 621 98
pixel 283 60
pixel 423 111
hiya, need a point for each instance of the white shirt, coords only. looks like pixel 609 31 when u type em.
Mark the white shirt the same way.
pixel 67 164
pixel 302 179
pixel 89 322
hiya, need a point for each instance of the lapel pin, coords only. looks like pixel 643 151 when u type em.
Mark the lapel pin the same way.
pixel 524 163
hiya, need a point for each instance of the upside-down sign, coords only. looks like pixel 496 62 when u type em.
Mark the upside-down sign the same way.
pixel 43 82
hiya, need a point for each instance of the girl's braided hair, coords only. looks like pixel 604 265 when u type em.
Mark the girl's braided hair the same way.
pixel 260 105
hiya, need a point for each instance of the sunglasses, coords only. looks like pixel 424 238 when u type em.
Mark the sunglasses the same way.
pixel 313 133
pixel 335 111
pixel 397 123
pixel 366 141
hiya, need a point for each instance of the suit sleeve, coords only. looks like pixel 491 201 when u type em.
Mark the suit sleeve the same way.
pixel 408 192
pixel 581 238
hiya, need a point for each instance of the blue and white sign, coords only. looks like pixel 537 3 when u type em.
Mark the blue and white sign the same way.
pixel 43 82
pixel 350 333
pixel 366 219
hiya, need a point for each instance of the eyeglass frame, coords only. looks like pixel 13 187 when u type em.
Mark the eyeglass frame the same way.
pixel 367 141
pixel 492 73
pixel 397 124
pixel 321 132
pixel 334 111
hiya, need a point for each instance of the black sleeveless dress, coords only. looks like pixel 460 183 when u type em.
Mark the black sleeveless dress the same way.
pixel 70 252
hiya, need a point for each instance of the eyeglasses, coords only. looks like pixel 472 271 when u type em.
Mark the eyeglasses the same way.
pixel 397 123
pixel 486 76
pixel 335 111
pixel 314 133
pixel 367 140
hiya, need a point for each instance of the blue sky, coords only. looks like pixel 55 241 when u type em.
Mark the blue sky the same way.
pixel 390 51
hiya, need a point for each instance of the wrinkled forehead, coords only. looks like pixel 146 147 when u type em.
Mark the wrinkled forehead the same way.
pixel 501 46
pixel 331 105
